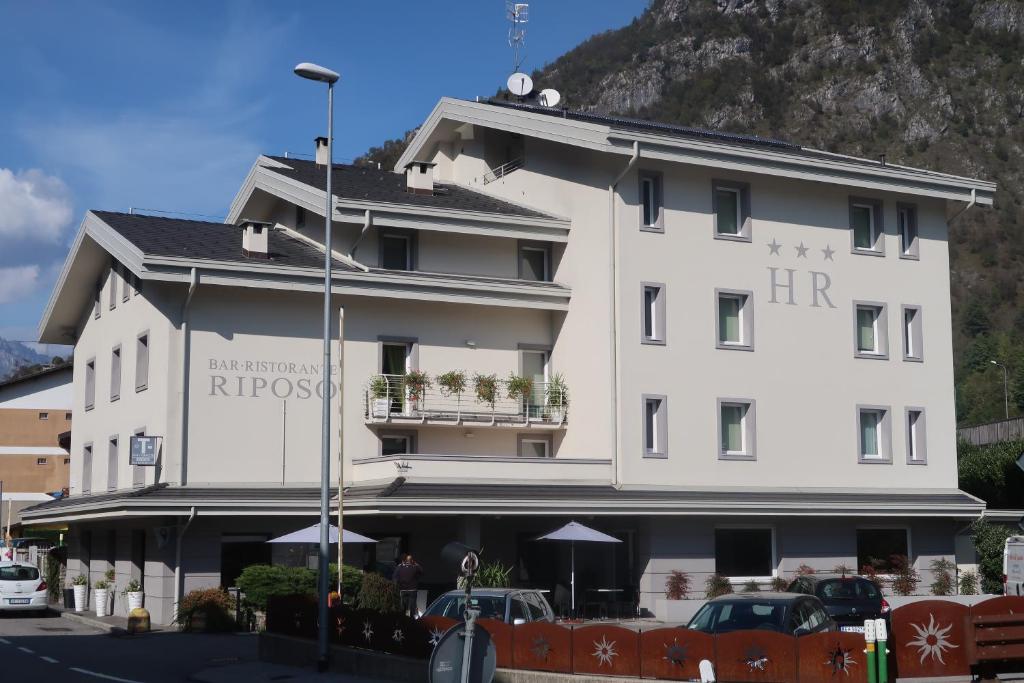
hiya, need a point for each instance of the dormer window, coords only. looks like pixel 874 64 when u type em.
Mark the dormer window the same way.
pixel 396 251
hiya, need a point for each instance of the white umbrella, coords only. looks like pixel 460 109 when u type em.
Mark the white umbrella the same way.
pixel 572 532
pixel 312 535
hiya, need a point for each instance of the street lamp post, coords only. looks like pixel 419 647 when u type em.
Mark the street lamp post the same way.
pixel 314 72
pixel 1006 393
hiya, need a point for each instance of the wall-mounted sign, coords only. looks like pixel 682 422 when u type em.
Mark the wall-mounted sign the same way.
pixel 144 450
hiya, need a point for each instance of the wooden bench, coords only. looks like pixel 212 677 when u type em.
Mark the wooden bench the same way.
pixel 995 643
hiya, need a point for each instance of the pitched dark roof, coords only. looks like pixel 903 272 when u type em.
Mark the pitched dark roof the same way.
pixel 176 237
pixel 48 370
pixel 647 126
pixel 364 183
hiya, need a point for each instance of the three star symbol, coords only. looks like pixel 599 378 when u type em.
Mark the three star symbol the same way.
pixel 775 249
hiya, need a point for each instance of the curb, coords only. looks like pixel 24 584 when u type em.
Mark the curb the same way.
pixel 87 621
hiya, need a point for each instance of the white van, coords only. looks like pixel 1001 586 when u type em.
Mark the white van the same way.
pixel 1013 566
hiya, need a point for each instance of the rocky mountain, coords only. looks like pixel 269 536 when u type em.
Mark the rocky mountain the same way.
pixel 937 84
pixel 14 355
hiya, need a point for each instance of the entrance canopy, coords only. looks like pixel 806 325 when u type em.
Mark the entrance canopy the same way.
pixel 312 535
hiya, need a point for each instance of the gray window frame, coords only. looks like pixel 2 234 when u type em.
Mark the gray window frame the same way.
pixel 922 436
pixel 659 200
pixel 112 285
pixel 749 428
pixel 535 246
pixel 534 436
pixel 660 426
pixel 746 322
pixel 138 471
pixel 917 329
pixel 742 189
pixel 877 219
pixel 126 283
pixel 410 434
pixel 87 455
pixel 142 360
pixel 413 243
pixel 885 427
pixel 659 327
pixel 914 252
pixel 413 344
pixel 97 304
pixel 90 383
pixel 882 333
pixel 115 372
pixel 113 453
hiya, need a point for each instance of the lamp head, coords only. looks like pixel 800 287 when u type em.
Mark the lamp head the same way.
pixel 315 72
pixel 993 362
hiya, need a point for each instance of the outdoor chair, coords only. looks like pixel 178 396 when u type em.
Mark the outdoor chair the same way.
pixel 563 602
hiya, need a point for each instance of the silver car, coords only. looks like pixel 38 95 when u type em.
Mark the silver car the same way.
pixel 511 605
pixel 21 587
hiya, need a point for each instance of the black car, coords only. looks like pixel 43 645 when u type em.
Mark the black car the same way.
pixel 849 599
pixel 788 613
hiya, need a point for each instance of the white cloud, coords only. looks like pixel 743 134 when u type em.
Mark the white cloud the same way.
pixel 17 282
pixel 33 206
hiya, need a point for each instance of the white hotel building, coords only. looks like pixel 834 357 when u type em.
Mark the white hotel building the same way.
pixel 754 337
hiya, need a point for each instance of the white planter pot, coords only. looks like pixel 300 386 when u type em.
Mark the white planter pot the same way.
pixel 380 407
pixel 101 601
pixel 134 600
pixel 557 415
pixel 80 595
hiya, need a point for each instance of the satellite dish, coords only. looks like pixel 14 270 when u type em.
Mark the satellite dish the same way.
pixel 549 97
pixel 520 84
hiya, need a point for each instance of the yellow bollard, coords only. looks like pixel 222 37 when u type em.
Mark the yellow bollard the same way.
pixel 138 620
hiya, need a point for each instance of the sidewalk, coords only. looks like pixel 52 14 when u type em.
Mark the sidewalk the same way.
pixel 258 672
pixel 111 624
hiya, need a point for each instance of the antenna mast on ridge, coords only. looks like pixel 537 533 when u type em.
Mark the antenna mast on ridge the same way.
pixel 517 13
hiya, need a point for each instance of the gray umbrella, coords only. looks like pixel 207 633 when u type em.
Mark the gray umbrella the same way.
pixel 572 532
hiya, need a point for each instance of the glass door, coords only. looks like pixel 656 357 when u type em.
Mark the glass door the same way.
pixel 394 363
pixel 535 366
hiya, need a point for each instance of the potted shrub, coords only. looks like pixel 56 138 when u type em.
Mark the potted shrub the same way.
pixel 677 585
pixel 519 389
pixel 379 399
pixel 133 591
pixel 486 388
pixel 716 585
pixel 80 586
pixel 453 383
pixel 209 609
pixel 101 594
pixel 416 384
pixel 558 398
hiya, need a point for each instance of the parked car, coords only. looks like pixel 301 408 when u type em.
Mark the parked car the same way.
pixel 21 587
pixel 849 599
pixel 511 605
pixel 789 613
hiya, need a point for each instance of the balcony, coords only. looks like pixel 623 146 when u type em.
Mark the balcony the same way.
pixel 406 399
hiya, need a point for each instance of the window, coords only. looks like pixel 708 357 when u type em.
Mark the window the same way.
pixel 917 447
pixel 655 426
pixel 112 464
pixel 67 461
pixel 532 446
pixel 742 553
pixel 86 468
pixel 96 300
pixel 112 286
pixel 878 547
pixel 873 434
pixel 734 322
pixel 736 429
pixel 906 221
pixel 142 362
pixel 126 284
pixel 534 364
pixel 534 262
pixel 870 333
pixel 40 461
pixel 90 383
pixel 652 313
pixel 397 443
pixel 913 346
pixel 866 226
pixel 396 251
pixel 44 416
pixel 67 416
pixel 115 373
pixel 731 206
pixel 651 209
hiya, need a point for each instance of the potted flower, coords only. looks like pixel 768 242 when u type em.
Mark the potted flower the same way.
pixel 101 593
pixel 558 398
pixel 453 383
pixel 133 591
pixel 486 388
pixel 379 396
pixel 519 388
pixel 416 384
pixel 80 586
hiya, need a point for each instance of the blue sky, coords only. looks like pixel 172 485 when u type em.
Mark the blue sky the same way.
pixel 163 105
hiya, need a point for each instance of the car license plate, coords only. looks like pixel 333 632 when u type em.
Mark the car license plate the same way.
pixel 852 629
pixel 18 601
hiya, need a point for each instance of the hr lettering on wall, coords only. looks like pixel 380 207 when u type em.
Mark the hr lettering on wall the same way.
pixel 787 283
pixel 238 378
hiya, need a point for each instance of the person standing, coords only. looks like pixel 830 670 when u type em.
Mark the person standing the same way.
pixel 407 577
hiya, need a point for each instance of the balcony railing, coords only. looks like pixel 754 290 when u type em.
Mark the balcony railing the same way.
pixel 389 398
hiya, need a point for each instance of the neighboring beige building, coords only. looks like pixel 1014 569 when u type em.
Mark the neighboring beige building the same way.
pixel 753 339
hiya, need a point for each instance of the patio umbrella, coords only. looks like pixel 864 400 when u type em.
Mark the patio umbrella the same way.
pixel 312 535
pixel 572 532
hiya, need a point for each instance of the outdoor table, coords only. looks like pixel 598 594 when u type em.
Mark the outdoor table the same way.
pixel 605 593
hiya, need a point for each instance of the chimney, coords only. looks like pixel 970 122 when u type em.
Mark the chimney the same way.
pixel 419 177
pixel 255 240
pixel 321 151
